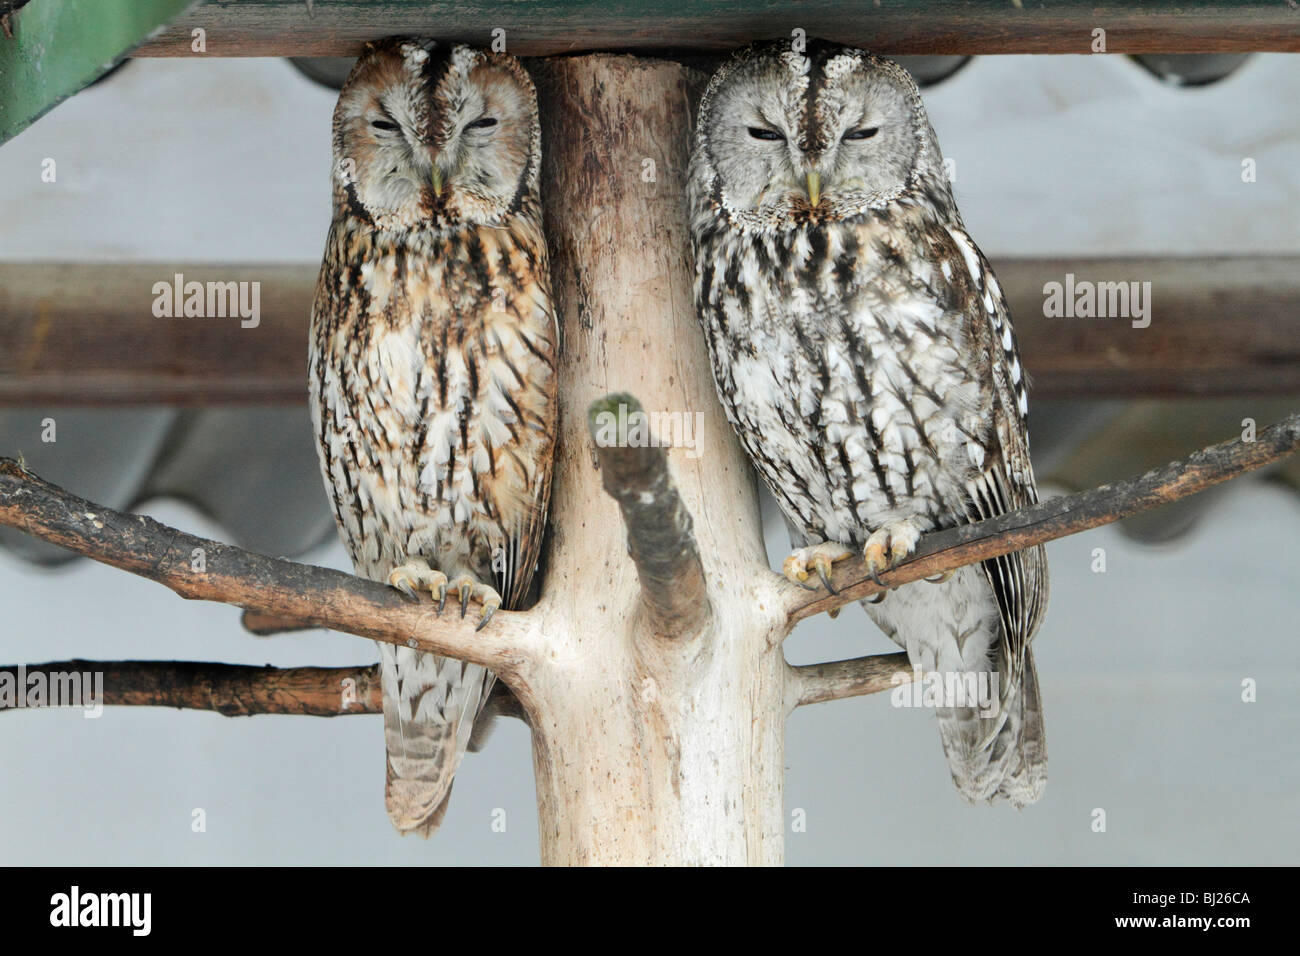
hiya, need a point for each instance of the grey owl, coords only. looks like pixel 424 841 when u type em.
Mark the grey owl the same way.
pixel 863 351
pixel 432 370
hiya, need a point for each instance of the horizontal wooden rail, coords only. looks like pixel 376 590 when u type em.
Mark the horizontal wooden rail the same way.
pixel 89 335
pixel 545 27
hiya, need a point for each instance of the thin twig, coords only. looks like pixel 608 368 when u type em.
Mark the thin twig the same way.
pixel 1055 518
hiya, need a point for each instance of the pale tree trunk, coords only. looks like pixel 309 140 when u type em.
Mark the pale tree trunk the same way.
pixel 658 712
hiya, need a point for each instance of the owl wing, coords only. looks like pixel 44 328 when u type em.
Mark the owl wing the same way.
pixel 1019 580
pixel 515 573
pixel 528 346
pixel 535 404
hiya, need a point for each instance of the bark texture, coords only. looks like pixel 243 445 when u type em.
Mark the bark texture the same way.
pixel 658 729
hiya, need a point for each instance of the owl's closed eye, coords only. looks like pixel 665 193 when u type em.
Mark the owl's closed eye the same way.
pixel 433 134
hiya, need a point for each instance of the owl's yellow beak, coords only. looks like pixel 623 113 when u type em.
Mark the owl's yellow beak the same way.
pixel 435 177
pixel 814 188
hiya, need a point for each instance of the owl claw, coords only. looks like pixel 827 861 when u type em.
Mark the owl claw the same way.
pixel 415 576
pixel 470 589
pixel 822 568
pixel 441 595
pixel 818 557
pixel 877 557
pixel 889 546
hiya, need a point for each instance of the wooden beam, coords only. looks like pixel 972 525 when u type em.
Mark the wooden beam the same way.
pixel 50 49
pixel 88 335
pixel 1218 326
pixel 545 27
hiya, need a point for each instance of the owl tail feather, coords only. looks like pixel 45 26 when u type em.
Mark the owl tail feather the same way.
pixel 1010 763
pixel 430 705
pixel 1027 776
pixel 421 767
pixel 407 807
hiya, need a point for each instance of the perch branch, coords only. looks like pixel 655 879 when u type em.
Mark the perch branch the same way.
pixel 815 683
pixel 268 625
pixel 1056 518
pixel 233 690
pixel 200 569
pixel 660 539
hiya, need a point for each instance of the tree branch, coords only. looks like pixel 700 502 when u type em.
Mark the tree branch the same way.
pixel 233 690
pixel 634 472
pixel 1055 518
pixel 814 683
pixel 199 569
pixel 268 625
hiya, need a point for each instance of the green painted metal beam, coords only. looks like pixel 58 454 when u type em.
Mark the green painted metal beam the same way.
pixel 546 27
pixel 61 46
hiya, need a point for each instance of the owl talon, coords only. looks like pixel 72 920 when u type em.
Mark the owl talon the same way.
pixel 415 576
pixel 826 580
pixel 488 611
pixel 442 598
pixel 940 578
pixel 818 557
pixel 877 558
pixel 469 590
pixel 889 546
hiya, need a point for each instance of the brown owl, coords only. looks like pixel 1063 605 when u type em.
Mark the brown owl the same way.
pixel 433 370
pixel 863 351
